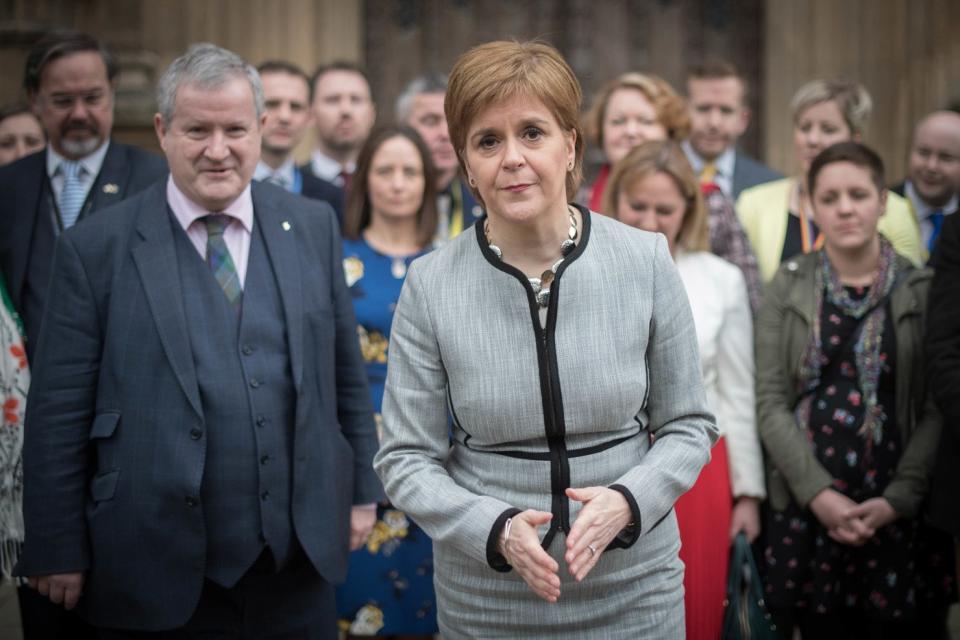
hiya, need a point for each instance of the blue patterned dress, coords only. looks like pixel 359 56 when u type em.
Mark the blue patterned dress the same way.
pixel 389 587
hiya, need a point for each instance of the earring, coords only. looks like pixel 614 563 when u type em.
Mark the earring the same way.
pixel 473 183
pixel 570 166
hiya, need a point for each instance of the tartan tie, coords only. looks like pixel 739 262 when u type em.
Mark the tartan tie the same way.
pixel 218 257
pixel 72 194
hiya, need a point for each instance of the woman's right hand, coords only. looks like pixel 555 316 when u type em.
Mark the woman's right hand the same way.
pixel 833 510
pixel 523 551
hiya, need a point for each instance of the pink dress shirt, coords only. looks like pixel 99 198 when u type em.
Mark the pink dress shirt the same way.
pixel 236 235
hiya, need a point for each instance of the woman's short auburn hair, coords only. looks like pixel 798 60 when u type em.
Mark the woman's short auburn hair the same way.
pixel 496 72
pixel 663 156
pixel 671 108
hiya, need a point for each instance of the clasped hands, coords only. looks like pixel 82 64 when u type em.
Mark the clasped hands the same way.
pixel 849 522
pixel 605 514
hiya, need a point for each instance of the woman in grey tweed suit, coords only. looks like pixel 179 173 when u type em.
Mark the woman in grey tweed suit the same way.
pixel 579 414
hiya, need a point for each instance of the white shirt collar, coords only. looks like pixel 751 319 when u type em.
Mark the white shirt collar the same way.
pixel 922 208
pixel 325 167
pixel 91 164
pixel 286 171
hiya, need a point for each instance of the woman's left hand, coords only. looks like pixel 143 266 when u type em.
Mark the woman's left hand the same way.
pixel 605 513
pixel 745 517
pixel 875 513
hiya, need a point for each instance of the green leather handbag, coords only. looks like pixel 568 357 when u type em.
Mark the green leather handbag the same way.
pixel 745 617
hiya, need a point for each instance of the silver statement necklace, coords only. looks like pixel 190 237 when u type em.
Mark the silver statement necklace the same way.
pixel 541 285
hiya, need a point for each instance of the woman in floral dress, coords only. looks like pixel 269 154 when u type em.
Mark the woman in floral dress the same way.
pixel 390 220
pixel 847 425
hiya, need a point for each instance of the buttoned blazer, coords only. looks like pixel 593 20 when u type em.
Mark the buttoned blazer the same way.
pixel 747 173
pixel 115 448
pixel 618 360
pixel 125 171
pixel 764 213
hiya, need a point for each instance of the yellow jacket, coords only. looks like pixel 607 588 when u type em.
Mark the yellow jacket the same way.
pixel 763 212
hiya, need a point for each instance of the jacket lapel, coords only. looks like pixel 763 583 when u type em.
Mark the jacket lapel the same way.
pixel 32 180
pixel 111 184
pixel 280 237
pixel 156 260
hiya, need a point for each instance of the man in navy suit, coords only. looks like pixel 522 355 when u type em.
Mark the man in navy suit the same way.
pixel 70 81
pixel 287 95
pixel 420 106
pixel 199 433
pixel 717 97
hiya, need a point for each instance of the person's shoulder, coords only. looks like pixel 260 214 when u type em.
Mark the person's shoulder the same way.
pixel 117 220
pixel 897 204
pixel 140 159
pixel 271 200
pixel 610 232
pixel 13 174
pixel 757 169
pixel 767 190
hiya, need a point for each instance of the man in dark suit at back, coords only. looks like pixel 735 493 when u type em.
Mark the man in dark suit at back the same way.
pixel 717 97
pixel 288 96
pixel 420 105
pixel 70 82
pixel 932 185
pixel 199 432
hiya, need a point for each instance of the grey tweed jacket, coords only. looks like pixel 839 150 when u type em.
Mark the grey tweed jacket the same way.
pixel 536 410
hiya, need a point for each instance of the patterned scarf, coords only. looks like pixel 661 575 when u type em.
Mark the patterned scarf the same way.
pixel 14 381
pixel 869 335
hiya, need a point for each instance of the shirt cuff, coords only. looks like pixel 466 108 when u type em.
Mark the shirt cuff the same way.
pixel 494 558
pixel 626 538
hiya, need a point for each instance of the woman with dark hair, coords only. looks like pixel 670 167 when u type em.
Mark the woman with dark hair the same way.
pixel 390 220
pixel 847 424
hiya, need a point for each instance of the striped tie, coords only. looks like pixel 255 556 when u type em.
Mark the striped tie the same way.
pixel 73 194
pixel 218 257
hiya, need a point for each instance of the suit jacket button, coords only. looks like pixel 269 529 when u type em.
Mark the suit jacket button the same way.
pixel 264 459
pixel 196 434
pixel 261 421
pixel 192 501
pixel 264 495
pixel 247 350
pixel 254 383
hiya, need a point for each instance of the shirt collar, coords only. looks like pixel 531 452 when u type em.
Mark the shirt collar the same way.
pixel 187 211
pixel 91 163
pixel 723 164
pixel 264 171
pixel 922 208
pixel 327 168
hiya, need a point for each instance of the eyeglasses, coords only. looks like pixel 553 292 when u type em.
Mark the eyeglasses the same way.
pixel 89 99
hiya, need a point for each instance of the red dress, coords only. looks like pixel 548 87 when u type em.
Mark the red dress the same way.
pixel 703 515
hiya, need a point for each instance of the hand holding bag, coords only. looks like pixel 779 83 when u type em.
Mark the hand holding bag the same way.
pixel 745 616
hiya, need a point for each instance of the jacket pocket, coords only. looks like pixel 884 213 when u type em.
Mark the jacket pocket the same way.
pixel 104 486
pixel 104 424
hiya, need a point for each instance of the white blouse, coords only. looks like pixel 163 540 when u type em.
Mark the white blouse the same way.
pixel 721 313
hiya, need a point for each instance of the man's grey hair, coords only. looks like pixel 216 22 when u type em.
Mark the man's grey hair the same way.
pixel 206 66
pixel 427 83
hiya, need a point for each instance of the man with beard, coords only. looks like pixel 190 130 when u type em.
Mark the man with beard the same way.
pixel 420 106
pixel 69 81
pixel 286 90
pixel 344 113
pixel 933 173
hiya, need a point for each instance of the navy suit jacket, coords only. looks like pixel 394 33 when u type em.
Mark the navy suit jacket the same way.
pixel 747 173
pixel 26 214
pixel 115 448
pixel 319 189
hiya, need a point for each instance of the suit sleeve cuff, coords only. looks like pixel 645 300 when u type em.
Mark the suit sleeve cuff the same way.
pixel 626 538
pixel 494 558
